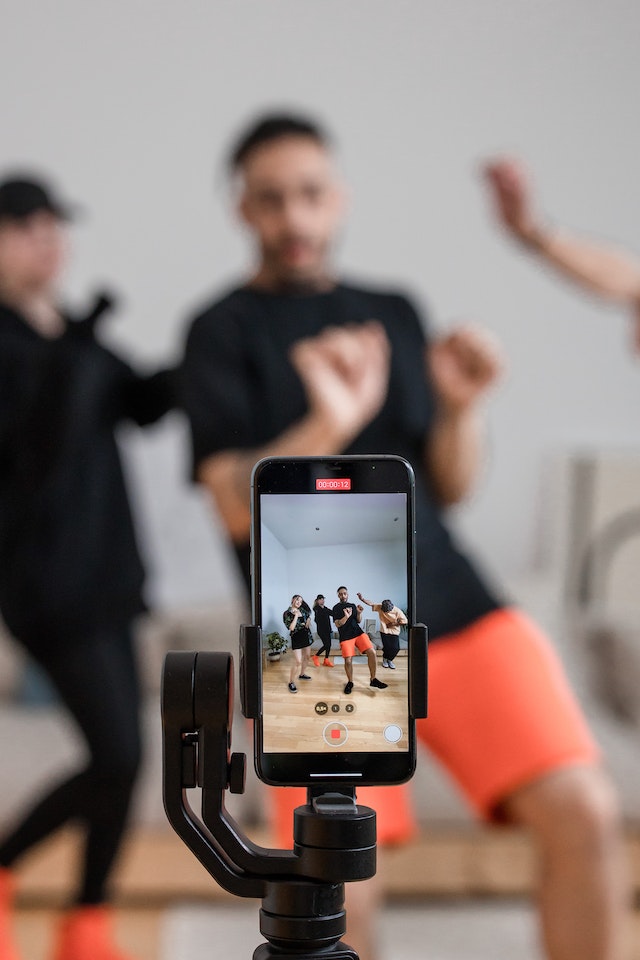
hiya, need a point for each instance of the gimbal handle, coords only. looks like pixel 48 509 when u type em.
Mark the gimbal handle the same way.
pixel 197 712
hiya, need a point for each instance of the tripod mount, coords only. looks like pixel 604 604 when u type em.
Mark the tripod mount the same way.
pixel 302 890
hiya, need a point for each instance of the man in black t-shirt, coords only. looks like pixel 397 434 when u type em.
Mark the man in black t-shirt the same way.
pixel 296 362
pixel 352 637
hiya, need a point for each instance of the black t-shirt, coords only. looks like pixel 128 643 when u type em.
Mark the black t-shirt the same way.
pixel 351 628
pixel 240 391
pixel 322 616
pixel 69 562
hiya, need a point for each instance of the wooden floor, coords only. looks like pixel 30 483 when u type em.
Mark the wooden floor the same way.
pixel 158 871
pixel 137 931
pixel 303 721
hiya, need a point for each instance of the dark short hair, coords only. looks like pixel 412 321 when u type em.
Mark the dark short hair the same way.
pixel 272 127
pixel 387 606
pixel 342 588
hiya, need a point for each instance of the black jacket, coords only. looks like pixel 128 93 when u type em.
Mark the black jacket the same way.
pixel 69 562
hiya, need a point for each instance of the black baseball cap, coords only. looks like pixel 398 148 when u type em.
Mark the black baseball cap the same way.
pixel 20 197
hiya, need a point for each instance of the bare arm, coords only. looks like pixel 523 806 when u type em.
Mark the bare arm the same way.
pixel 462 367
pixel 597 267
pixel 368 602
pixel 345 373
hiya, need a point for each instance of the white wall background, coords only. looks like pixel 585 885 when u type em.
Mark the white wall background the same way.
pixel 131 104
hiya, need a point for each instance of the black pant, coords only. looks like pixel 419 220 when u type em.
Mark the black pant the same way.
pixel 390 645
pixel 325 649
pixel 98 683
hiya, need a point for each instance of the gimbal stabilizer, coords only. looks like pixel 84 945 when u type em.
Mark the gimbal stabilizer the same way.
pixel 302 890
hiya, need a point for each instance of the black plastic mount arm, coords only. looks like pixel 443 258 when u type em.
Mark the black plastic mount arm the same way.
pixel 197 710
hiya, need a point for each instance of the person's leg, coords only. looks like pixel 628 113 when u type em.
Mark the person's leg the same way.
pixel 100 685
pixel 294 672
pixel 348 668
pixel 574 818
pixel 391 646
pixel 364 645
pixel 515 740
pixel 371 660
pixel 304 662
pixel 97 681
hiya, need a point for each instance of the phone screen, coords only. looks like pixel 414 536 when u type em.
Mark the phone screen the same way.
pixel 324 531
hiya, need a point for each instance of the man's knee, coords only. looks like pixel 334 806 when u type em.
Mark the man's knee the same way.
pixel 577 806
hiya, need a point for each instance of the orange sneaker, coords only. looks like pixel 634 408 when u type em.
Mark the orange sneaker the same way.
pixel 85 934
pixel 8 948
pixel 316 660
pixel 327 662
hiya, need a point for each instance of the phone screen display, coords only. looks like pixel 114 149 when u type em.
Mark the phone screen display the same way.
pixel 333 591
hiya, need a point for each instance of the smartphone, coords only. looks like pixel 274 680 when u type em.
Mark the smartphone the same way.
pixel 333 527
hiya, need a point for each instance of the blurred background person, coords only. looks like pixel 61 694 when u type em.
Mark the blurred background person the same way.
pixel 596 267
pixel 71 577
pixel 362 377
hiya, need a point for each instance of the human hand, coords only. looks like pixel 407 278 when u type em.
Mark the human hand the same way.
pixel 360 608
pixel 463 365
pixel 345 372
pixel 348 611
pixel 510 189
pixel 360 597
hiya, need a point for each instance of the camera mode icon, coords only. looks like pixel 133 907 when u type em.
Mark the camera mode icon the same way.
pixel 321 708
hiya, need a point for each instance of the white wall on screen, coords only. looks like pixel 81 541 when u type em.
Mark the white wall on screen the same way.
pixel 377 570
pixel 274 575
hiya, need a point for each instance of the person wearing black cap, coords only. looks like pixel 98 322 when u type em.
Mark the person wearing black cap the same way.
pixel 71 576
pixel 322 617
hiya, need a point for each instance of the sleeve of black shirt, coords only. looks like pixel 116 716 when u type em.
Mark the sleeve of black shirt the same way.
pixel 215 386
pixel 413 390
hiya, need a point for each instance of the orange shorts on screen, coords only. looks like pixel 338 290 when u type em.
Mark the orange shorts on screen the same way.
pixel 501 715
pixel 362 642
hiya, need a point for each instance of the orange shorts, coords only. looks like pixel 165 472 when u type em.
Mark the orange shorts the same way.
pixel 362 642
pixel 501 715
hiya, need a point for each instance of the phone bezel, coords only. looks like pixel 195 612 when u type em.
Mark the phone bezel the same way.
pixel 369 474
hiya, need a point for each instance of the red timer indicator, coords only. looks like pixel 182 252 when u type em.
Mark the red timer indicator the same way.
pixel 334 483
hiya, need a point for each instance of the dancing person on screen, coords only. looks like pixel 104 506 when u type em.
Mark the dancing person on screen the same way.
pixel 297 620
pixel 322 617
pixel 391 620
pixel 347 618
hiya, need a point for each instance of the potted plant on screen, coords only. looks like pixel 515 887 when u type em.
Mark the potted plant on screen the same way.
pixel 276 645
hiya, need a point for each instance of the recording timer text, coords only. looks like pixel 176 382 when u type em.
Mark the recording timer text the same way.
pixel 334 483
